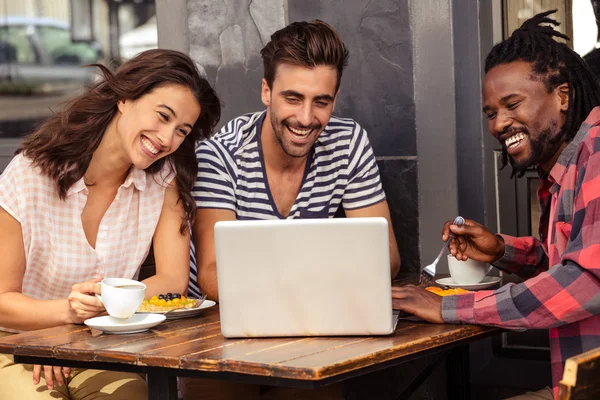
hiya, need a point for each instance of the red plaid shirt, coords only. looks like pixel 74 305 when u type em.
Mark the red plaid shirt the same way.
pixel 562 290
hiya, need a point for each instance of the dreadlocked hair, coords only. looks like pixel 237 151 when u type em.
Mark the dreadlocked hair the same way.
pixel 555 63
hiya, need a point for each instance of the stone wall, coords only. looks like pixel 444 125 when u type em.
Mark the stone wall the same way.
pixel 225 37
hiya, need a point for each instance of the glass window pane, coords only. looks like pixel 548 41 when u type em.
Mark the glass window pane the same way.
pixel 54 38
pixel 62 51
pixel 518 11
pixel 15 46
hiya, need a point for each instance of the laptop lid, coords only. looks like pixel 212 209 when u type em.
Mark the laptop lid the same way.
pixel 308 277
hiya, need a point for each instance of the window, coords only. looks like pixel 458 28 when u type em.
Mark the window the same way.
pixel 16 46
pixel 61 50
pixel 518 11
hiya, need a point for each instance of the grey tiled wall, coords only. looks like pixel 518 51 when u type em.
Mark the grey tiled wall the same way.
pixel 399 179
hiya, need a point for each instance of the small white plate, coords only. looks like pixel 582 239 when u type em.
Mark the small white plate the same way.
pixel 487 282
pixel 137 323
pixel 184 312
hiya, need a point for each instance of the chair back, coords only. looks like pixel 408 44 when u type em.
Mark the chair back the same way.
pixel 581 379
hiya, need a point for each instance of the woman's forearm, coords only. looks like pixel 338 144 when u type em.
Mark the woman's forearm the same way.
pixel 161 284
pixel 21 312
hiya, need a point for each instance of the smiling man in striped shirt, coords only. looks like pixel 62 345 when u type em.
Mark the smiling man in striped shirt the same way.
pixel 292 160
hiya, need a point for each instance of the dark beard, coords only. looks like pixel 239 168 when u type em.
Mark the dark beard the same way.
pixel 543 148
pixel 279 136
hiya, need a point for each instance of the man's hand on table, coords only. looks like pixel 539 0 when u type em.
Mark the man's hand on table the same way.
pixel 50 375
pixel 83 303
pixel 418 301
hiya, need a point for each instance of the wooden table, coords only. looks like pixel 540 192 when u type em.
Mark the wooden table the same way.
pixel 194 347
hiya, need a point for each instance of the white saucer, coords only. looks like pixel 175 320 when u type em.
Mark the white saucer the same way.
pixel 184 312
pixel 137 323
pixel 487 282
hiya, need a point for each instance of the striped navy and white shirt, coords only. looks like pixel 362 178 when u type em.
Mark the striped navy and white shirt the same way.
pixel 341 170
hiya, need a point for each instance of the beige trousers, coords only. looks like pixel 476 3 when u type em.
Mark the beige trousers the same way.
pixel 16 382
pixel 542 394
pixel 211 389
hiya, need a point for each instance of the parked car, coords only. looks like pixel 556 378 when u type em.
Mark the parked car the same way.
pixel 37 55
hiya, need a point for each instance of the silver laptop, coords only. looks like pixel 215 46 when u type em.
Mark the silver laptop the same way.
pixel 311 277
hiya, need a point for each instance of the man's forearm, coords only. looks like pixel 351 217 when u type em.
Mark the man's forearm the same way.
pixel 531 304
pixel 395 262
pixel 207 281
pixel 523 256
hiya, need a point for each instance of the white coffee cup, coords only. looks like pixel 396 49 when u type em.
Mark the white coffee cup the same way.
pixel 122 297
pixel 467 272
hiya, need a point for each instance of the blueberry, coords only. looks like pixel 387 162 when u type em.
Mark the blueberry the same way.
pixel 161 296
pixel 176 296
pixel 169 294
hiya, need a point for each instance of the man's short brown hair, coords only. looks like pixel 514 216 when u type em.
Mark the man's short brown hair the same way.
pixel 306 44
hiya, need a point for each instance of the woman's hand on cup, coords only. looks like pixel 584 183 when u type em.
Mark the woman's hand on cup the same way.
pixel 473 240
pixel 60 374
pixel 83 303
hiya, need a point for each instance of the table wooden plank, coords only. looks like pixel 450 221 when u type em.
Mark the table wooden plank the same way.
pixel 282 350
pixel 253 356
pixel 44 342
pixel 219 357
pixel 299 348
pixel 158 344
pixel 171 356
pixel 241 357
pixel 307 361
pixel 166 339
pixel 378 350
pixel 41 342
pixel 113 347
pixel 319 358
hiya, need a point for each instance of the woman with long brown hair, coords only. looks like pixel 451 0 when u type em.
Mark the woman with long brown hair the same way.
pixel 86 196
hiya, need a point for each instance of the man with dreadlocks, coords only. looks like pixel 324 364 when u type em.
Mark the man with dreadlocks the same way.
pixel 542 103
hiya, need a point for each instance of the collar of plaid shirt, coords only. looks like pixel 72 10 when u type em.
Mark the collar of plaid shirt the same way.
pixel 550 183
